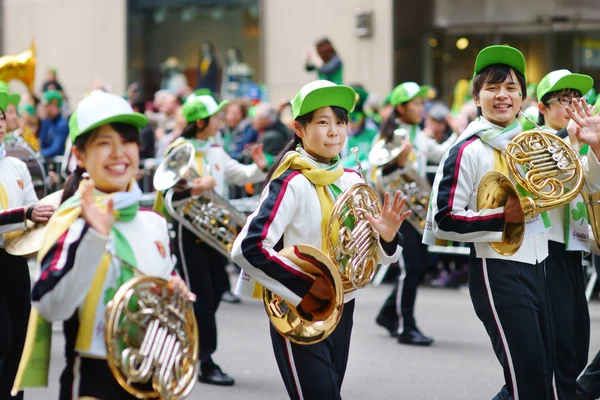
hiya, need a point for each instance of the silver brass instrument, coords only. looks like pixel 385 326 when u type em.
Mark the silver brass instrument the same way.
pixel 416 189
pixel 350 263
pixel 210 216
pixel 151 337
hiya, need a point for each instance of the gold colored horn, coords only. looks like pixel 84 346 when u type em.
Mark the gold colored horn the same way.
pixel 544 165
pixel 20 67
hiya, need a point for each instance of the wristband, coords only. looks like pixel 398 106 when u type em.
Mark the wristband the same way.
pixel 29 213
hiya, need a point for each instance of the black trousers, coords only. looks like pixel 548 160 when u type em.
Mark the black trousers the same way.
pixel 589 383
pixel 15 305
pixel 203 268
pixel 400 304
pixel 315 371
pixel 566 287
pixel 511 299
pixel 98 382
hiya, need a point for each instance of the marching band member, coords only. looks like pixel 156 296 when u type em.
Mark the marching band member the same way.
pixel 17 199
pixel 203 266
pixel 509 293
pixel 568 237
pixel 309 173
pixel 397 313
pixel 78 275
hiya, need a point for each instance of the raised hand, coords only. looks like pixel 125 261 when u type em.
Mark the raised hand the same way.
pixel 587 129
pixel 258 156
pixel 98 217
pixel 391 217
pixel 41 212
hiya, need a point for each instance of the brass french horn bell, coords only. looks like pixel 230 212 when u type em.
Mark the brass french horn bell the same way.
pixel 20 67
pixel 545 166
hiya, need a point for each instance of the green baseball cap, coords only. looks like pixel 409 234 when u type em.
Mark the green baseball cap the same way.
pixel 101 108
pixel 322 93
pixel 500 54
pixel 3 101
pixel 564 79
pixel 201 107
pixel 407 91
pixel 13 98
pixel 52 95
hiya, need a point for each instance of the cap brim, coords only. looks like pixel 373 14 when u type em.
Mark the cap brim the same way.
pixel 339 96
pixel 3 101
pixel 423 90
pixel 500 55
pixel 220 108
pixel 580 82
pixel 136 119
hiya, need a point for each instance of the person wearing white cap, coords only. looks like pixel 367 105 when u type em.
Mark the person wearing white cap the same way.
pixel 397 314
pixel 295 209
pixel 78 275
pixel 568 240
pixel 202 265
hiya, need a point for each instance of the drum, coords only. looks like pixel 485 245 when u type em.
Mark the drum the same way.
pixel 34 162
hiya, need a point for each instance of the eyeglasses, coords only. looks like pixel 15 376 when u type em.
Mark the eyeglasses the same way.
pixel 565 101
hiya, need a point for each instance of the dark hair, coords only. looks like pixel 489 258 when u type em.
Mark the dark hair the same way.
pixel 242 104
pixel 556 93
pixel 303 120
pixel 190 130
pixel 3 114
pixel 496 73
pixel 389 125
pixel 140 105
pixel 128 132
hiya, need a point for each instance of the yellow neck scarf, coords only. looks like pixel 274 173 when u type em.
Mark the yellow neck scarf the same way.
pixel 321 178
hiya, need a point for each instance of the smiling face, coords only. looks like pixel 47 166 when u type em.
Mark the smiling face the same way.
pixel 553 107
pixel 500 102
pixel 110 161
pixel 324 136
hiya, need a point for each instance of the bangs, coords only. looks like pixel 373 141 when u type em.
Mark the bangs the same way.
pixel 560 93
pixel 498 73
pixel 339 112
pixel 128 132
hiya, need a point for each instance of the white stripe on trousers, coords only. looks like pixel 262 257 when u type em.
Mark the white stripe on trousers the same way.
pixel 288 347
pixel 401 278
pixel 76 377
pixel 182 255
pixel 510 365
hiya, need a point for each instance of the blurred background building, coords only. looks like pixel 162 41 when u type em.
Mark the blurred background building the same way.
pixel 381 42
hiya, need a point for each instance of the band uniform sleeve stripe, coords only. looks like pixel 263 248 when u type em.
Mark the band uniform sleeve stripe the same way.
pixel 52 268
pixel 445 218
pixel 13 216
pixel 252 244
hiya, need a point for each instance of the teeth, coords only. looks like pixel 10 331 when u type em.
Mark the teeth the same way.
pixel 117 168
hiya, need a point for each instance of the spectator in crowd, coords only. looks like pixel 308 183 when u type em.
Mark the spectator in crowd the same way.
pixel 285 114
pixel 133 93
pixel 209 71
pixel 147 142
pixel 236 124
pixel 170 105
pixel 328 64
pixel 54 129
pixel 272 134
pixel 51 83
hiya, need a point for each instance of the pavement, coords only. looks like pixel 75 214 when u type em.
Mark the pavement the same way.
pixel 460 364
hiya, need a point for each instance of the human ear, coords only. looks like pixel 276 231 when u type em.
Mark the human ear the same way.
pixel 542 108
pixel 298 129
pixel 80 156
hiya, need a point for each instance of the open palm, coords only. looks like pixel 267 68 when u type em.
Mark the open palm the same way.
pixel 391 218
pixel 98 217
pixel 587 125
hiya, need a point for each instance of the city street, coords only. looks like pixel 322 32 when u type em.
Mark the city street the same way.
pixel 460 365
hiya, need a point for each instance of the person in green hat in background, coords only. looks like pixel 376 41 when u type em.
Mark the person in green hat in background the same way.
pixel 408 100
pixel 202 265
pixel 568 240
pixel 359 134
pixel 509 292
pixel 294 210
pixel 78 277
pixel 12 113
pixel 18 203
pixel 54 129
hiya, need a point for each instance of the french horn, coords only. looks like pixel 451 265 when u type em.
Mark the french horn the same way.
pixel 151 339
pixel 351 262
pixel 544 165
pixel 416 189
pixel 210 217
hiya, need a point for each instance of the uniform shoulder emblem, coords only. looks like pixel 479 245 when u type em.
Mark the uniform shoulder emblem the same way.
pixel 161 248
pixel 20 183
pixel 217 167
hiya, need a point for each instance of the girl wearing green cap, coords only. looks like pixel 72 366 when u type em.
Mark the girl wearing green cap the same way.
pixel 17 204
pixel 307 174
pixel 202 265
pixel 509 293
pixel 568 238
pixel 97 226
pixel 408 100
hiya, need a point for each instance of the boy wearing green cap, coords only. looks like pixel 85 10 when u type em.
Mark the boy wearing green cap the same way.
pixel 54 129
pixel 294 210
pixel 509 293
pixel 568 238
pixel 202 265
pixel 397 313
pixel 17 205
